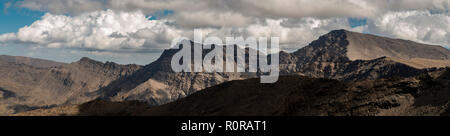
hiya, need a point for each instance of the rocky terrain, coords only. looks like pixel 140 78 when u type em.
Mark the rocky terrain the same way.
pixel 341 55
pixel 423 95
pixel 157 84
pixel 331 56
pixel 302 96
pixel 24 87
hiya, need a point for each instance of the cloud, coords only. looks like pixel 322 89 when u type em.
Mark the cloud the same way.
pixel 62 6
pixel 259 8
pixel 398 5
pixel 292 36
pixel 224 13
pixel 112 31
pixel 420 26
pixel 203 19
pixel 99 30
pixel 8 37
pixel 84 24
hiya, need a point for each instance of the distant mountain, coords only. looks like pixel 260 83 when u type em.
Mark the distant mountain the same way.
pixel 340 54
pixel 40 63
pixel 157 84
pixel 327 57
pixel 423 95
pixel 344 55
pixel 29 87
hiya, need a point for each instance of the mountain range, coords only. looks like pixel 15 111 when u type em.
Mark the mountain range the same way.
pixel 339 71
pixel 427 94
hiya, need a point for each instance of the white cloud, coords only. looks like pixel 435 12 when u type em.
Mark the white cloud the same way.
pixel 260 8
pixel 420 26
pixel 211 19
pixel 103 30
pixel 7 37
pixel 295 36
pixel 216 13
pixel 115 31
pixel 62 6
pixel 297 22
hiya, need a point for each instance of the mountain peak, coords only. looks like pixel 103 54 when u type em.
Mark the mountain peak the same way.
pixel 339 31
pixel 359 46
pixel 86 60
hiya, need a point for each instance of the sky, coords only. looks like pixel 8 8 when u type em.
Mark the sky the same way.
pixel 137 31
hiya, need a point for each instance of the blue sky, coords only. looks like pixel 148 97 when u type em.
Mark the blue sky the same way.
pixel 355 22
pixel 15 18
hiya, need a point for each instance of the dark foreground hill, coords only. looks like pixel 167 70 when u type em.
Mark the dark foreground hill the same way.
pixel 426 94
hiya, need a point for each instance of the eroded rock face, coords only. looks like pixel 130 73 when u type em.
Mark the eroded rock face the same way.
pixel 157 84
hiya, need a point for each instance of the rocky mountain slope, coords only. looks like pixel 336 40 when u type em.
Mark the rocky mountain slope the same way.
pixel 426 94
pixel 331 56
pixel 340 55
pixel 344 55
pixel 24 87
pixel 157 84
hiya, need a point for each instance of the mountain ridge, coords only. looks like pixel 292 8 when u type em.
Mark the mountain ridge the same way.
pixel 422 95
pixel 156 84
pixel 35 87
pixel 40 63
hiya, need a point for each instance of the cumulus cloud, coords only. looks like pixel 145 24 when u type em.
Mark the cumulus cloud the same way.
pixel 8 37
pixel 420 26
pixel 113 31
pixel 102 30
pixel 125 25
pixel 241 12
